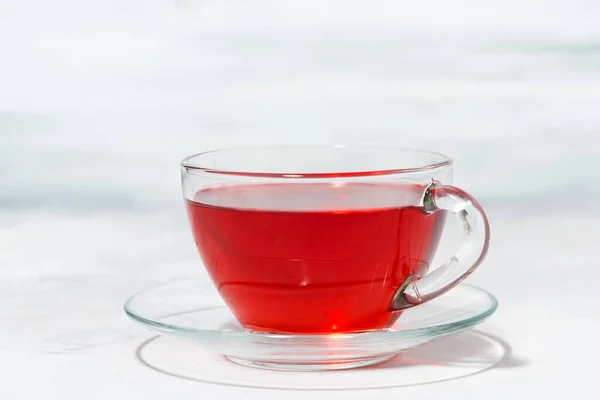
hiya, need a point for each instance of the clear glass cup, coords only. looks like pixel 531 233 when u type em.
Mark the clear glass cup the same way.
pixel 327 239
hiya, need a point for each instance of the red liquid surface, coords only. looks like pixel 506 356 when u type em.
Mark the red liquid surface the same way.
pixel 313 258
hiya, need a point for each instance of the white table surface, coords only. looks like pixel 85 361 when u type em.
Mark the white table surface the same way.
pixel 99 101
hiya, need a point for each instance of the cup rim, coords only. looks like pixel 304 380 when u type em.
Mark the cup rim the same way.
pixel 188 165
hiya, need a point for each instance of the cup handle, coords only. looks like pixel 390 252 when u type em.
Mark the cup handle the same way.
pixel 472 251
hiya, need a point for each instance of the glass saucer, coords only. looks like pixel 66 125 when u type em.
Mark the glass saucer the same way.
pixel 195 311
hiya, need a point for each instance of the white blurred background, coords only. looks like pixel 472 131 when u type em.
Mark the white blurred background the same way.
pixel 100 99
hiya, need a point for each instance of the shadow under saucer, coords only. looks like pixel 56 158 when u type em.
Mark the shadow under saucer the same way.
pixel 453 357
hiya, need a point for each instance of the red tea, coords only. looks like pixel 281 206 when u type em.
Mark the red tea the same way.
pixel 313 258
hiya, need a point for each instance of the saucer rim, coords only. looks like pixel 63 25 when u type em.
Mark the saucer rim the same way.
pixel 439 329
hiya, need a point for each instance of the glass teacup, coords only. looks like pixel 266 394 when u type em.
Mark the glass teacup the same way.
pixel 327 239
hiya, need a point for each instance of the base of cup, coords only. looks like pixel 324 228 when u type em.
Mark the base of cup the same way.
pixel 308 366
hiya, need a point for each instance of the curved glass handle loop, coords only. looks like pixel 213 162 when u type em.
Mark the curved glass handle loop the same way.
pixel 414 290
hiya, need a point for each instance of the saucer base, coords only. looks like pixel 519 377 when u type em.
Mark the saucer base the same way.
pixel 453 357
pixel 317 366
